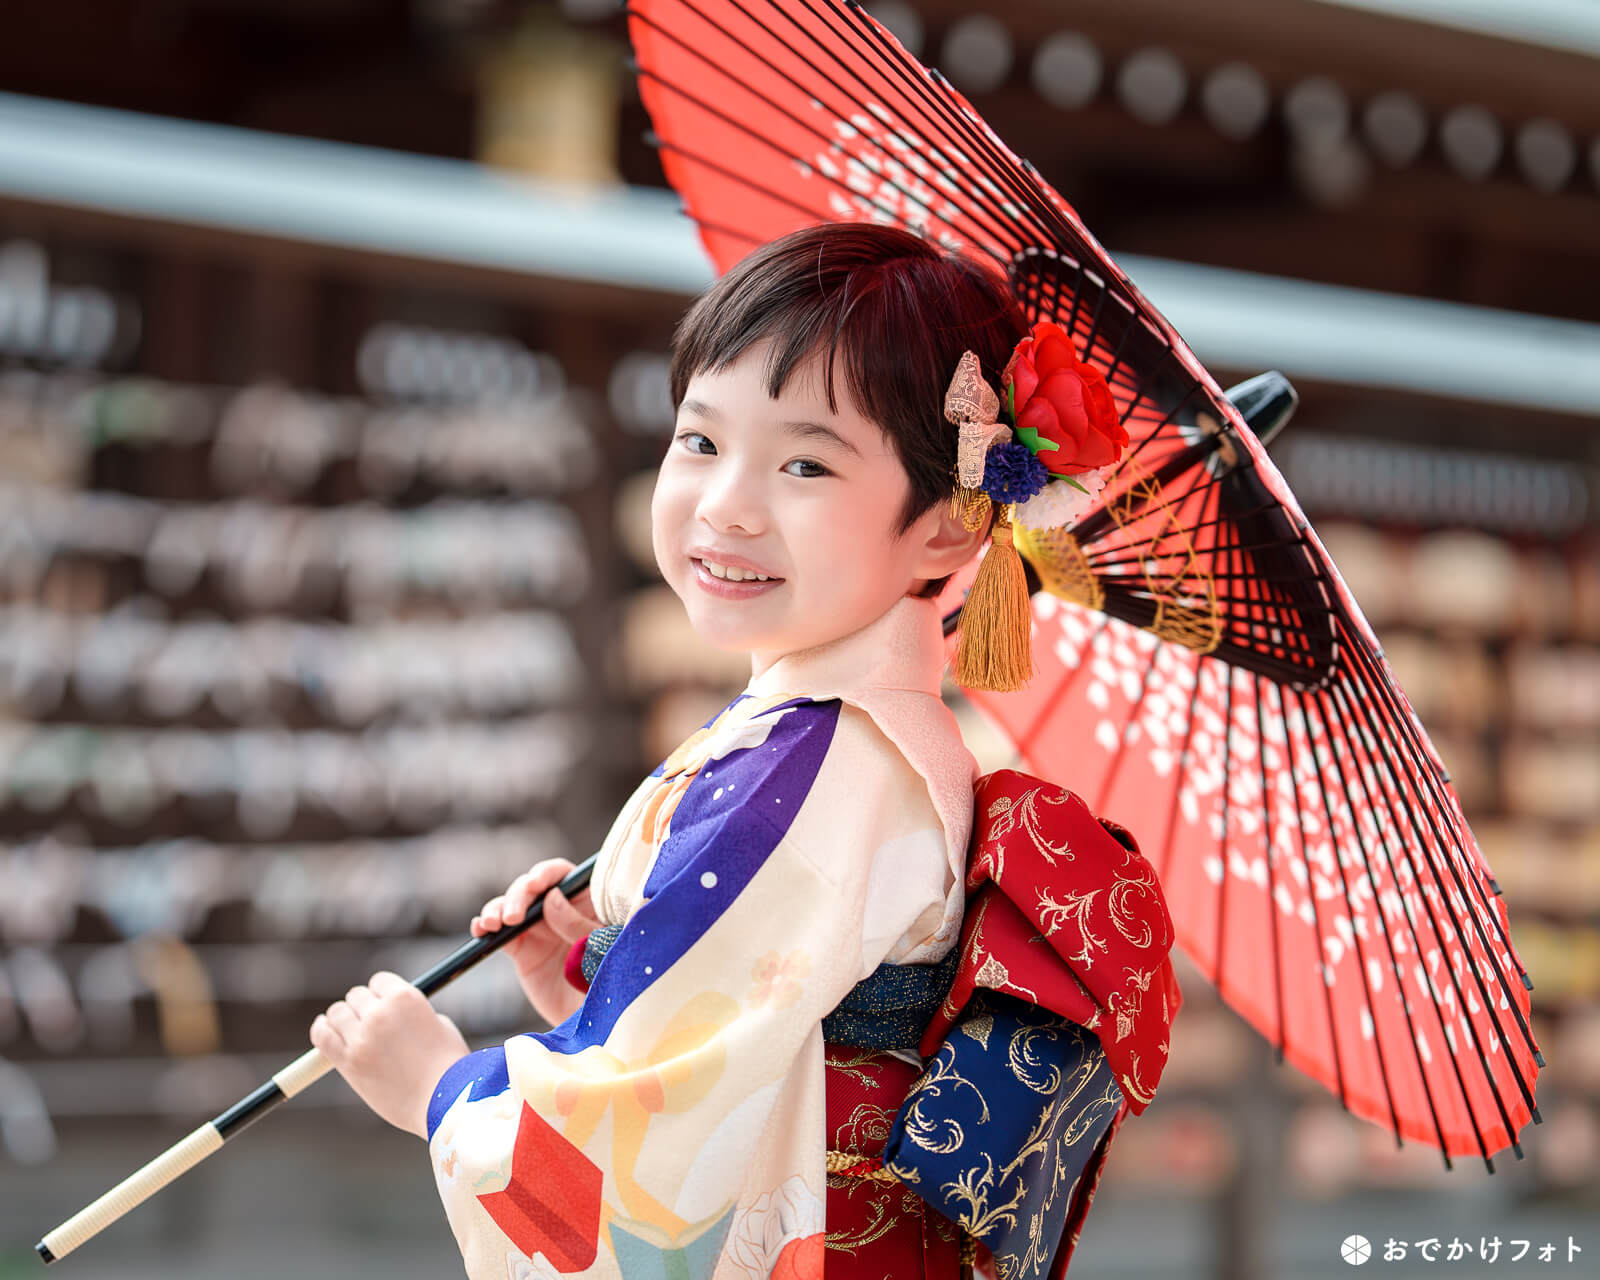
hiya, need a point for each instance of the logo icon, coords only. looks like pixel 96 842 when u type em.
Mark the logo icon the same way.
pixel 1356 1250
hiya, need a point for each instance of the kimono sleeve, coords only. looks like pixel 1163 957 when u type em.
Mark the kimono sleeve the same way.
pixel 677 1117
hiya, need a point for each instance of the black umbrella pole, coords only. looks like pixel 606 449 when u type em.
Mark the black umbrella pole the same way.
pixel 304 1071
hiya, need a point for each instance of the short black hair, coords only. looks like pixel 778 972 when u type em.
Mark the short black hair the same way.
pixel 898 309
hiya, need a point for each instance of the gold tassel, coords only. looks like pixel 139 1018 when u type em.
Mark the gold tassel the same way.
pixel 995 650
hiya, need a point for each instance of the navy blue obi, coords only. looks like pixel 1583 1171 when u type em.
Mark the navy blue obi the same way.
pixel 888 1009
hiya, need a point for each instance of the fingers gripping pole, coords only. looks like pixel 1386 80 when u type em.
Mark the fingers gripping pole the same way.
pixel 131 1191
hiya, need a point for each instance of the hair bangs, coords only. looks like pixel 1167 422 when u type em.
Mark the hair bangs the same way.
pixel 890 310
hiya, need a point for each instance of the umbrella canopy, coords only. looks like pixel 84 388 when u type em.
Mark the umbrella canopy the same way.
pixel 1202 669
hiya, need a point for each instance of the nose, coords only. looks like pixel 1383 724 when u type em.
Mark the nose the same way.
pixel 731 500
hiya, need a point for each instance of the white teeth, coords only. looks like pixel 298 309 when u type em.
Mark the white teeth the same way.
pixel 732 574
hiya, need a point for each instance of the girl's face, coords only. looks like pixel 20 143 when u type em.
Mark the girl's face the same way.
pixel 785 489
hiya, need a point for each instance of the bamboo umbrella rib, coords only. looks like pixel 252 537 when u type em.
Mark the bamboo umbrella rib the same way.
pixel 1388 942
pixel 1124 480
pixel 892 60
pixel 1183 751
pixel 1134 544
pixel 1431 774
pixel 1197 580
pixel 1267 852
pixel 1350 915
pixel 1180 462
pixel 1014 228
pixel 1352 741
pixel 1131 585
pixel 1311 897
pixel 1110 371
pixel 1029 192
pixel 1213 576
pixel 843 187
pixel 1177 784
pixel 895 59
pixel 1026 189
pixel 661 144
pixel 717 228
pixel 1411 925
pixel 1228 556
pixel 1275 614
pixel 1186 461
pixel 1488 950
pixel 1230 524
pixel 1425 768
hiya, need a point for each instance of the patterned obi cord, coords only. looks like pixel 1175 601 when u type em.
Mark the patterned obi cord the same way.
pixel 888 1009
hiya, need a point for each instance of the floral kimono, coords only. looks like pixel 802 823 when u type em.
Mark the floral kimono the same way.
pixel 676 1124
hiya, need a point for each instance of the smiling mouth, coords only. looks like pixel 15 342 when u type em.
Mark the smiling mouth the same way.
pixel 731 573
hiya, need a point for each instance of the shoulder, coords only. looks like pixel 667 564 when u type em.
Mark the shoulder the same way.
pixel 801 743
pixel 866 791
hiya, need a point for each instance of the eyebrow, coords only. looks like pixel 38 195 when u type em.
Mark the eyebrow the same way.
pixel 802 429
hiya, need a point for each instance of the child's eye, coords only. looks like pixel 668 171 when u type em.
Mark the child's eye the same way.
pixel 818 468
pixel 686 436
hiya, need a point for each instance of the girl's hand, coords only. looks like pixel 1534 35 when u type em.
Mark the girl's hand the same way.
pixel 391 1048
pixel 540 951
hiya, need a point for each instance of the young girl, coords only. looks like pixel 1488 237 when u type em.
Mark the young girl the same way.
pixel 673 1121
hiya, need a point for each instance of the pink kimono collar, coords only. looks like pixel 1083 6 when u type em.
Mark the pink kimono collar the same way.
pixel 903 649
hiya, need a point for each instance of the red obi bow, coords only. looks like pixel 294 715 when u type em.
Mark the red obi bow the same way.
pixel 1064 911
pixel 1044 869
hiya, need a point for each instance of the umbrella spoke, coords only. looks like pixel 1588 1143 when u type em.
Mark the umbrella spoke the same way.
pixel 1021 232
pixel 1133 544
pixel 1152 490
pixel 1350 917
pixel 1408 917
pixel 1177 790
pixel 1012 229
pixel 1227 774
pixel 1323 971
pixel 914 79
pixel 718 229
pixel 1040 291
pixel 743 180
pixel 1266 853
pixel 1359 756
pixel 1358 742
pixel 811 213
pixel 1330 723
pixel 1424 767
pixel 1254 546
pixel 1450 846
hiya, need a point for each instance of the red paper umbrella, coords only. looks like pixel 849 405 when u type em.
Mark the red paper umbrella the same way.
pixel 1204 672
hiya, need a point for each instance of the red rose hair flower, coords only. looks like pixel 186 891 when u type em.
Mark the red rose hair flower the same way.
pixel 1066 401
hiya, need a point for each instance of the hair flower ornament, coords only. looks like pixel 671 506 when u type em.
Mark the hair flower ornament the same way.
pixel 1062 407
pixel 1044 471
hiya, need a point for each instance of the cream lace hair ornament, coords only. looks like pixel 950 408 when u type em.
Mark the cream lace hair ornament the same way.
pixel 996 619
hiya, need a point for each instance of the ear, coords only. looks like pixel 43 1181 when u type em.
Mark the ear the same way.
pixel 945 544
